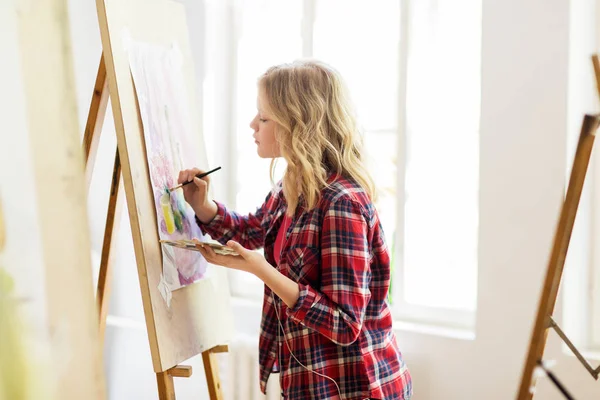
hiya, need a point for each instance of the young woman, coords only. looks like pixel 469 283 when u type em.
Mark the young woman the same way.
pixel 326 325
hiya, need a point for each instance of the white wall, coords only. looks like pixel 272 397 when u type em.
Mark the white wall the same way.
pixel 528 48
pixel 524 125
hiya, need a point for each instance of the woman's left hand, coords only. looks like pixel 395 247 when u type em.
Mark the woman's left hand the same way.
pixel 248 260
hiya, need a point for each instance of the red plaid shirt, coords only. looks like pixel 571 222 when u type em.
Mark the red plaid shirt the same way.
pixel 341 325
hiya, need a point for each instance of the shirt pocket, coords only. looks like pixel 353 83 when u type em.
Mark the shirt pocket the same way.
pixel 303 262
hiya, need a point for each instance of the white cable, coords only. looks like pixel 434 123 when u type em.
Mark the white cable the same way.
pixel 292 354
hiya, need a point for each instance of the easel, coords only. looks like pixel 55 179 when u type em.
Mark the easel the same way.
pixel 544 319
pixel 91 140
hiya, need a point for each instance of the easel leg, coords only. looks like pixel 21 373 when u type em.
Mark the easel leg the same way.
pixel 93 126
pixel 166 388
pixel 112 219
pixel 211 369
pixel 558 255
pixel 91 139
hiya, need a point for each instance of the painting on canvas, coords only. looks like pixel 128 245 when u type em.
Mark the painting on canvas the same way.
pixel 162 99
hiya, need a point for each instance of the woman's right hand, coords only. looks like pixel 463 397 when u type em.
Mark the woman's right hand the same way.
pixel 196 194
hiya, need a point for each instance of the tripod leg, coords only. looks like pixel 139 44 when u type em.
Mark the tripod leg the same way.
pixel 93 126
pixel 110 230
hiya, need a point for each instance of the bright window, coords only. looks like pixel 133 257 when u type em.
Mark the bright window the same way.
pixel 439 267
pixel 424 138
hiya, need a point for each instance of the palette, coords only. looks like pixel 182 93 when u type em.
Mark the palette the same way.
pixel 195 246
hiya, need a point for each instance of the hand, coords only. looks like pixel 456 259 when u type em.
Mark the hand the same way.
pixel 248 260
pixel 196 193
pixel 253 262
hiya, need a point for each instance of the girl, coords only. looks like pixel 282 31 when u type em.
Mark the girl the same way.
pixel 326 326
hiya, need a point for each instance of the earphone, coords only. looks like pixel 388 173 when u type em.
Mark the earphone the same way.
pixel 292 354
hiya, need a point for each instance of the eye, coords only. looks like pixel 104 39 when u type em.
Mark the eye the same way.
pixel 262 120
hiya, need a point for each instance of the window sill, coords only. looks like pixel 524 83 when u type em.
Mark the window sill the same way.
pixel 433 330
pixel 247 307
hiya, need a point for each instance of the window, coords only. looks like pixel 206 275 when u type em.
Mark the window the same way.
pixel 367 58
pixel 438 264
pixel 579 294
pixel 429 148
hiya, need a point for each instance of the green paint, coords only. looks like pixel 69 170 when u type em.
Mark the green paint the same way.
pixel 177 217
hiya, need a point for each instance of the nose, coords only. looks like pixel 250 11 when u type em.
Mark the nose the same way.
pixel 254 123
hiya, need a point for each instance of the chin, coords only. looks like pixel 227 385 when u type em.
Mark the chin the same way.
pixel 263 154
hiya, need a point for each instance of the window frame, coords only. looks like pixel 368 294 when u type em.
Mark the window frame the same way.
pixel 240 282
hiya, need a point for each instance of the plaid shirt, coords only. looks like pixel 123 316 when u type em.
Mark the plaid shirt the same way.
pixel 341 325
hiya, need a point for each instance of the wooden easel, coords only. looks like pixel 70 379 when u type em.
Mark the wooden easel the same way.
pixel 93 130
pixel 544 320
pixel 91 140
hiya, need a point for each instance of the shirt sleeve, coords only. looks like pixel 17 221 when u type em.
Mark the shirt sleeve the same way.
pixel 247 230
pixel 337 310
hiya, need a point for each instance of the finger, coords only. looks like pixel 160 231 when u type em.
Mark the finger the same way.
pixel 199 245
pixel 182 176
pixel 201 250
pixel 238 248
pixel 214 258
pixel 205 250
pixel 200 183
pixel 205 178
pixel 210 251
pixel 205 253
pixel 192 174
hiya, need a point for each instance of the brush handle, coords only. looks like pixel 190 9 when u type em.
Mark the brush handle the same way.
pixel 200 176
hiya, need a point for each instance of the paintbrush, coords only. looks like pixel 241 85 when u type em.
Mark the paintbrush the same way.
pixel 202 175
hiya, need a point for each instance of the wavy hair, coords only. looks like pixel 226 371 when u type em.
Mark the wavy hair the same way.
pixel 315 128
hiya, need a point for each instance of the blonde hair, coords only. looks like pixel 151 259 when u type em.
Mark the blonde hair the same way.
pixel 315 128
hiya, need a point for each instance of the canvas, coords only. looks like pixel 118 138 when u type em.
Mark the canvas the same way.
pixel 162 100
